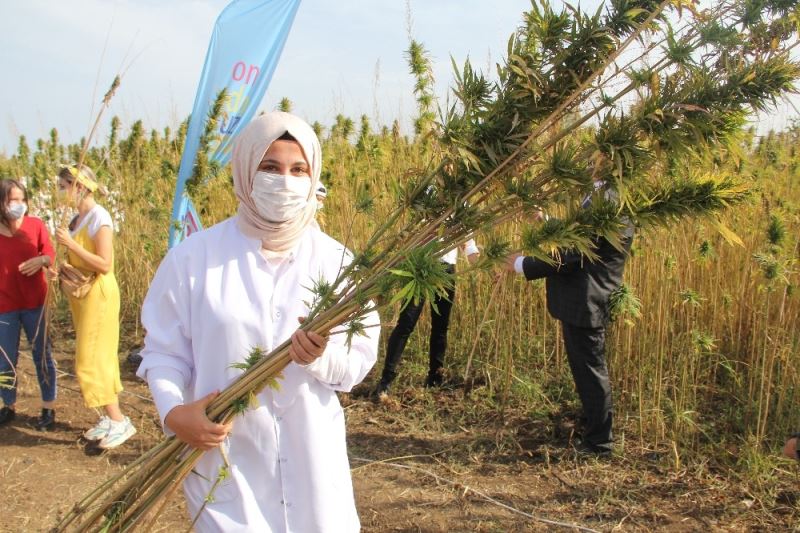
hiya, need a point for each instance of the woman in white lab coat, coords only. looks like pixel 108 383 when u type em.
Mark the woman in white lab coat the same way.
pixel 244 283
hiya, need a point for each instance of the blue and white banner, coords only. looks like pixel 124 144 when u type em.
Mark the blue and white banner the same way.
pixel 245 47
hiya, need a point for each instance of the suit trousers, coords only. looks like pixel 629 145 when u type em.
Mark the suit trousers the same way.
pixel 586 353
pixel 440 322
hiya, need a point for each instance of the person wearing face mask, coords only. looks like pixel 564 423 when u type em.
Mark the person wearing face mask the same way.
pixel 245 283
pixel 89 244
pixel 25 254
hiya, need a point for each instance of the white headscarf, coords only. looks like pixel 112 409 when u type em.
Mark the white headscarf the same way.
pixel 248 151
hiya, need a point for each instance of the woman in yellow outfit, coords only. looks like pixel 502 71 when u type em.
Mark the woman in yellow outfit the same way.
pixel 95 315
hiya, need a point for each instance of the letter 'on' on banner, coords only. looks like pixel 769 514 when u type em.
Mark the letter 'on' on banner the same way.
pixel 245 46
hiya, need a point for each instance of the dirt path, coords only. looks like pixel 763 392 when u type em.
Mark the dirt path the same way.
pixel 419 464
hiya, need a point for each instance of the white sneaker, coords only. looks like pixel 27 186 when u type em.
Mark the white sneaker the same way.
pixel 99 430
pixel 118 433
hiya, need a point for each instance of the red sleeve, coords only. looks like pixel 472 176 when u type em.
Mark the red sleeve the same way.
pixel 45 246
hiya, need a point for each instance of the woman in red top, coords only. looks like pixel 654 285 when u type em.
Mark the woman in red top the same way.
pixel 25 254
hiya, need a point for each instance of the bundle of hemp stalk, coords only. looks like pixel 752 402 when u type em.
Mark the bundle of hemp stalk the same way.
pixel 637 96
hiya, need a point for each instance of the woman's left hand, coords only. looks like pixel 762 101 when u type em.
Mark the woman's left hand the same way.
pixel 307 346
pixel 63 237
pixel 34 265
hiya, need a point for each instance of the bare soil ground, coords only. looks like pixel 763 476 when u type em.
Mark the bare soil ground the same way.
pixel 425 461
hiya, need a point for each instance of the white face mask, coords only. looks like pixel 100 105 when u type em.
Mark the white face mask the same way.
pixel 280 198
pixel 16 210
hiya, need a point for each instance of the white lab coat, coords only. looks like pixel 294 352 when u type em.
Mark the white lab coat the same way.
pixel 213 298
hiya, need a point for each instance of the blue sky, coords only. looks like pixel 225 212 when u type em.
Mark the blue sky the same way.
pixel 342 56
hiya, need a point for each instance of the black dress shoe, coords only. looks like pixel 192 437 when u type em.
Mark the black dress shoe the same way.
pixel 434 379
pixel 46 420
pixel 7 415
pixel 584 449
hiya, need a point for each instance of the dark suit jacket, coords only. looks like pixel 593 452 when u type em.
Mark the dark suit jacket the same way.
pixel 578 289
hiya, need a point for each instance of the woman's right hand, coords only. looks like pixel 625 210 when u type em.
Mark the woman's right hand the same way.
pixel 192 426
pixel 65 239
pixel 34 265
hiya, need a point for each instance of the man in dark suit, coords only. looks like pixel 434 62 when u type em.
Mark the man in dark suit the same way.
pixel 578 293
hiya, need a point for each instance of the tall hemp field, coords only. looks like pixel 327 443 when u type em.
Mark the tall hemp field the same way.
pixel 704 350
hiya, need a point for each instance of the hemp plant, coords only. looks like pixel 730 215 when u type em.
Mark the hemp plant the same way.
pixel 567 109
pixel 204 167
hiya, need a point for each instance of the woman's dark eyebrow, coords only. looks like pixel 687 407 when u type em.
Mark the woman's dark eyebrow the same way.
pixel 275 161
